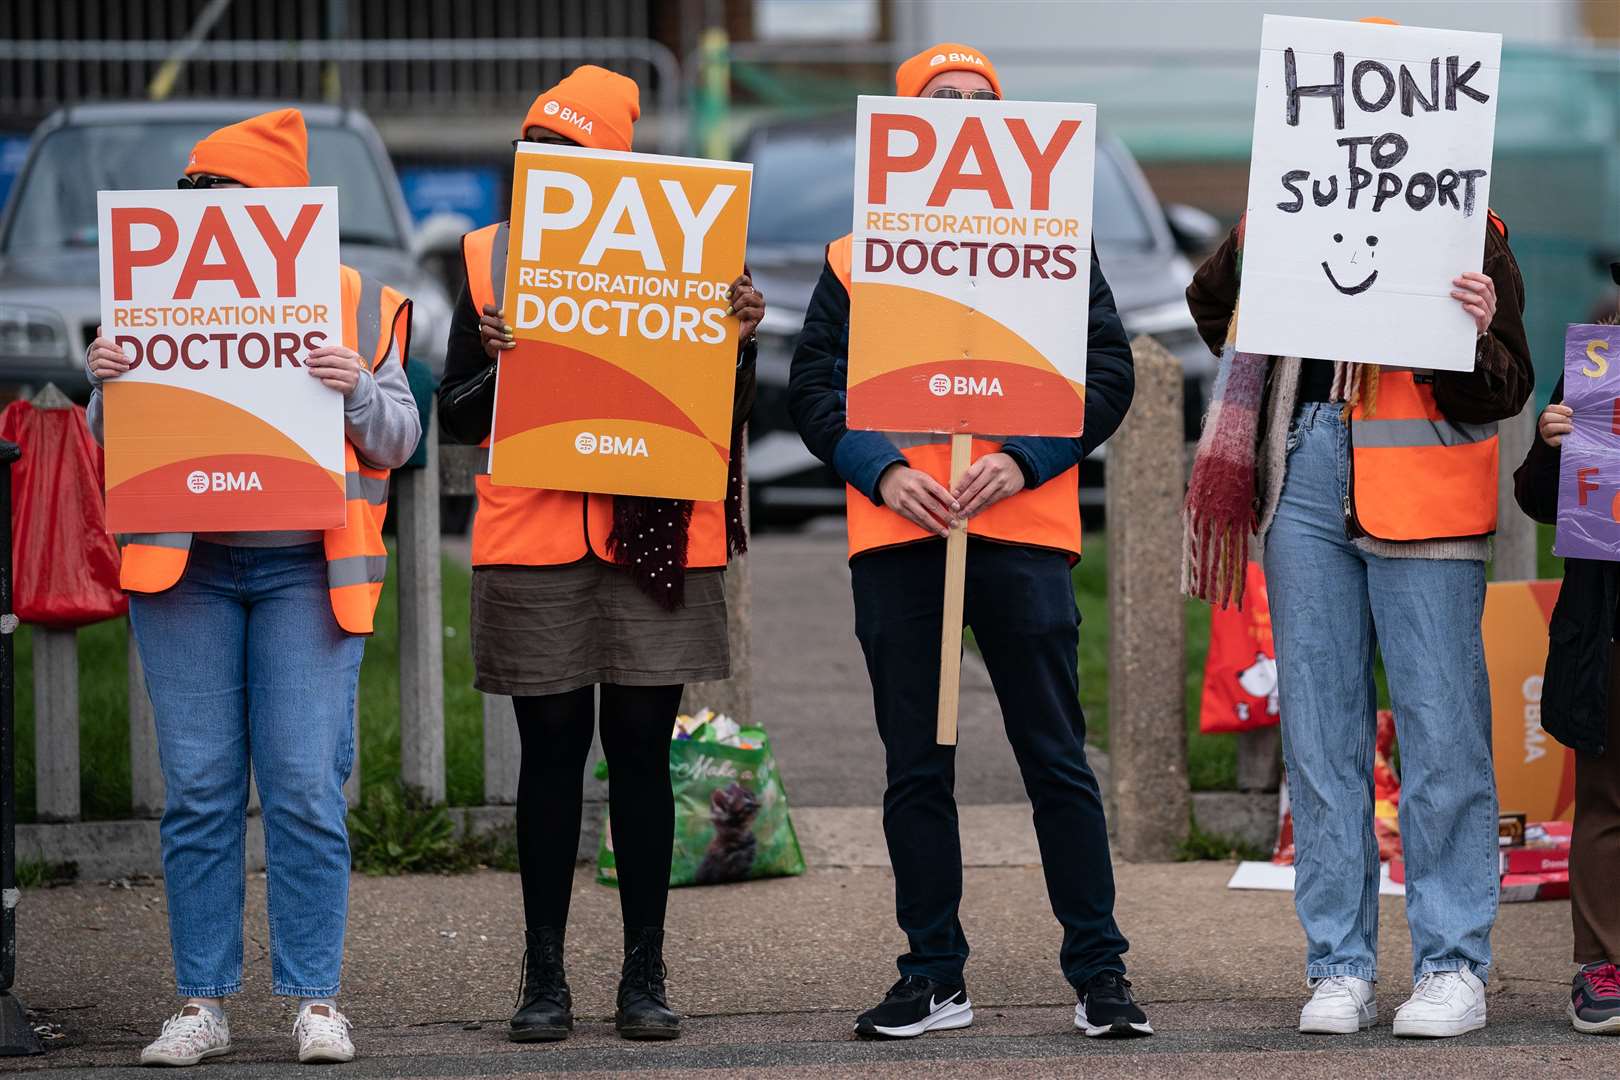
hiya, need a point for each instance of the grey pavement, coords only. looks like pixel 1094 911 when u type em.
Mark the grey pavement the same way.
pixel 771 973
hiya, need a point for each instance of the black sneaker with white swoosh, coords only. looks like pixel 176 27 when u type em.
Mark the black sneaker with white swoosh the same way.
pixel 914 1005
pixel 1107 1010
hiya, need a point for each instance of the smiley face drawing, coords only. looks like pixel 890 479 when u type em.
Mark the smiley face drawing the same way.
pixel 1365 283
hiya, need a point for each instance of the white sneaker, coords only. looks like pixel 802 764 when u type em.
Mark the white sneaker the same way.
pixel 189 1036
pixel 323 1035
pixel 1342 1005
pixel 1445 1003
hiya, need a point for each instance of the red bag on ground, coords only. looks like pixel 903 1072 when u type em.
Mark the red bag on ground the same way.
pixel 1240 672
pixel 65 564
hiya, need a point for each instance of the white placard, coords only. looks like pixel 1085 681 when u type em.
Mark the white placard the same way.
pixel 1368 190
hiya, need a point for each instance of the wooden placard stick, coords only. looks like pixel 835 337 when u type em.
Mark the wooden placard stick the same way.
pixel 950 639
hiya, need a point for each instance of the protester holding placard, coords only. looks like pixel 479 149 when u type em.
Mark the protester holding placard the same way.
pixel 251 645
pixel 573 590
pixel 1019 499
pixel 1374 491
pixel 1580 698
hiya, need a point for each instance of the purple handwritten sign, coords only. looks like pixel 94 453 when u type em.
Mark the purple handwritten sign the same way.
pixel 1589 474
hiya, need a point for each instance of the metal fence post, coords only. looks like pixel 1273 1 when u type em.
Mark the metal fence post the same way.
pixel 1147 730
pixel 16 1035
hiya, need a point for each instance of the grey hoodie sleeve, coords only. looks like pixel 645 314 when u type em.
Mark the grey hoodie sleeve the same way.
pixel 380 418
pixel 92 411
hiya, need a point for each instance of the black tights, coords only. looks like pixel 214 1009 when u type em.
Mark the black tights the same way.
pixel 555 730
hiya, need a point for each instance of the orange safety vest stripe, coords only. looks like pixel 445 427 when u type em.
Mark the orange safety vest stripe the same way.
pixel 1047 516
pixel 518 526
pixel 376 322
pixel 1414 475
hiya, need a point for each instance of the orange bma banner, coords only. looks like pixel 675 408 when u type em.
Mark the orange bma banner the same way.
pixel 217 296
pixel 619 270
pixel 971 266
pixel 1535 773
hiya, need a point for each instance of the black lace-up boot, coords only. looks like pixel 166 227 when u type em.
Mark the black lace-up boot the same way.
pixel 644 1011
pixel 545 1008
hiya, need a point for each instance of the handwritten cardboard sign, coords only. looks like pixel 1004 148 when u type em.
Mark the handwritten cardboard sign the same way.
pixel 1368 188
pixel 1589 465
pixel 216 297
pixel 971 266
pixel 618 280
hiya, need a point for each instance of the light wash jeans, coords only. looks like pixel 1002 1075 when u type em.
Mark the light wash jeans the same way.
pixel 1331 605
pixel 245 661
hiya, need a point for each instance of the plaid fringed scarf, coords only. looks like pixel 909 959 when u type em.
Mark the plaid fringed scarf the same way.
pixel 1220 516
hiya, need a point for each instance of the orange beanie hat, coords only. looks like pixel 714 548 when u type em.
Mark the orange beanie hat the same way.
pixel 593 106
pixel 1380 20
pixel 914 74
pixel 269 150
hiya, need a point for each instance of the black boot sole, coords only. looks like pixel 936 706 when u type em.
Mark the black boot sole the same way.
pixel 538 1033
pixel 648 1032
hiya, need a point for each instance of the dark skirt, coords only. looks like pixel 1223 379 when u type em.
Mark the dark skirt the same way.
pixel 551 629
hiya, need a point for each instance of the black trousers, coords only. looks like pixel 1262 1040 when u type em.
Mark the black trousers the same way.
pixel 1019 602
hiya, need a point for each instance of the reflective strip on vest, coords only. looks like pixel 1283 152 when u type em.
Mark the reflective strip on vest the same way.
pixel 1047 516
pixel 1373 432
pixel 1416 475
pixel 369 489
pixel 356 570
pixel 536 527
pixel 178 540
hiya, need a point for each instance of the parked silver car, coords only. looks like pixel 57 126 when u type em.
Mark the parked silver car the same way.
pixel 49 266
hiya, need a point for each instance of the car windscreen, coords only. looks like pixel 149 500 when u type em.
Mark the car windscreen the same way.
pixel 56 200
pixel 804 192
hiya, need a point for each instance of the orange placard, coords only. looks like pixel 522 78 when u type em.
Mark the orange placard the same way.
pixel 1535 773
pixel 618 272
pixel 971 266
pixel 217 296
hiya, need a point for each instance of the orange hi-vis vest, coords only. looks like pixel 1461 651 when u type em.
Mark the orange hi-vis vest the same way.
pixel 519 526
pixel 1047 516
pixel 376 319
pixel 1414 475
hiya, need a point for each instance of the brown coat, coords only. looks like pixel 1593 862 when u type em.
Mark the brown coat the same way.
pixel 1503 376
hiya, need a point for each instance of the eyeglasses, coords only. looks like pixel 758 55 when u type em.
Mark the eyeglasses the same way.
pixel 201 181
pixel 965 95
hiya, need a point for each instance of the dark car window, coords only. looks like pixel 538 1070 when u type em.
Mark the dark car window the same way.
pixel 56 202
pixel 804 193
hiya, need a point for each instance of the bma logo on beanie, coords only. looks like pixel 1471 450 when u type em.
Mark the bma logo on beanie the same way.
pixel 572 116
pixel 955 58
pixel 551 108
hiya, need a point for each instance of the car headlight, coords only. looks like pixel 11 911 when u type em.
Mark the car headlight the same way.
pixel 34 332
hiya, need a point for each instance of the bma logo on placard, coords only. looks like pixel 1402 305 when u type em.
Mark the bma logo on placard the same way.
pixel 611 445
pixel 943 385
pixel 199 482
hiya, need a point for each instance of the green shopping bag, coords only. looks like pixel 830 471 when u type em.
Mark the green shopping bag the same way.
pixel 731 811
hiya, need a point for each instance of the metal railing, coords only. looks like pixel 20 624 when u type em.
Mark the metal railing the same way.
pixel 450 75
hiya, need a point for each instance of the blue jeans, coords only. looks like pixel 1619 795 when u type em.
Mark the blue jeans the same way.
pixel 245 661
pixel 1331 605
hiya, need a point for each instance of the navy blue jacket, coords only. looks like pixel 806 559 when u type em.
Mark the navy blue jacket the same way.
pixel 817 395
